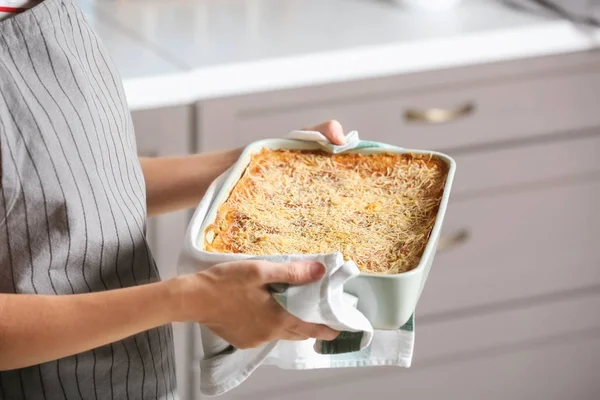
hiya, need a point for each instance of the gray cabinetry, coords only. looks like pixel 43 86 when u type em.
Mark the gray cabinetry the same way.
pixel 517 279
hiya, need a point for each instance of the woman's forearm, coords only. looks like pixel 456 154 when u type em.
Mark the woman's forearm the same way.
pixel 175 183
pixel 38 328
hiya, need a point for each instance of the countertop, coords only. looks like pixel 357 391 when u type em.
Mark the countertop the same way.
pixel 181 51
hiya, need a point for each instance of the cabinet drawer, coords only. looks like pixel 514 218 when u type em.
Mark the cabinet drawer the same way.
pixel 505 168
pixel 502 109
pixel 515 245
pixel 447 342
pixel 556 371
pixel 447 338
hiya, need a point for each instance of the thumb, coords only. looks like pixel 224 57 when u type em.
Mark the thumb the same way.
pixel 294 272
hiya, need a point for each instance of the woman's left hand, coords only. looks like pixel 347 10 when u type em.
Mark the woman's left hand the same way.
pixel 332 130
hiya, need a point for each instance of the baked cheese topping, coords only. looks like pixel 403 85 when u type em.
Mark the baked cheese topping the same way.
pixel 377 210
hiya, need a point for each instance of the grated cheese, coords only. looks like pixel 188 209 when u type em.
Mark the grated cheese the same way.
pixel 377 210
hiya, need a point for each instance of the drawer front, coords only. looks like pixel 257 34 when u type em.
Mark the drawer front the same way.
pixel 502 168
pixel 489 112
pixel 445 339
pixel 557 371
pixel 447 342
pixel 515 245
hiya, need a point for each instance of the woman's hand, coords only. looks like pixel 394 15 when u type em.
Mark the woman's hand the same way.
pixel 332 130
pixel 232 300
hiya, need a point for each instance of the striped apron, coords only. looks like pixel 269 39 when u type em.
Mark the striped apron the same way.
pixel 72 200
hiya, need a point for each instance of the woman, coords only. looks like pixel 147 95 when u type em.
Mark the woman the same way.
pixel 83 312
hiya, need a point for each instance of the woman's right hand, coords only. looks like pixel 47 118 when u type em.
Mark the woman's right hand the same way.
pixel 232 300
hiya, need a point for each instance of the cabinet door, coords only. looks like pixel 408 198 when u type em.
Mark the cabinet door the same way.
pixel 485 106
pixel 560 369
pixel 166 132
pixel 159 133
pixel 443 343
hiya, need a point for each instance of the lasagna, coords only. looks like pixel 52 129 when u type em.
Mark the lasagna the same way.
pixel 378 210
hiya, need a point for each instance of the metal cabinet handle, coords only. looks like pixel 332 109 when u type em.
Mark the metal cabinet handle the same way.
pixel 454 240
pixel 439 115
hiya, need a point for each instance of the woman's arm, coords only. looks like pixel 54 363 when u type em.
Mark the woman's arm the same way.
pixel 39 328
pixel 175 183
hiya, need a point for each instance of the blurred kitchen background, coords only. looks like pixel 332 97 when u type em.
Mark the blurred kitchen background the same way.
pixel 511 89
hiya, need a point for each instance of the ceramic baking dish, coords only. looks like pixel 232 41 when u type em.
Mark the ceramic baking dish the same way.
pixel 387 300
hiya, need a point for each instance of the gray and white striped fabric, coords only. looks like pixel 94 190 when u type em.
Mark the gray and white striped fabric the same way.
pixel 72 200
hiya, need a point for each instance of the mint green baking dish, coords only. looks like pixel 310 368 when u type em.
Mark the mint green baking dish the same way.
pixel 387 301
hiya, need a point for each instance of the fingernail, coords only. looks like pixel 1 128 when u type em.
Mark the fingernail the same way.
pixel 316 270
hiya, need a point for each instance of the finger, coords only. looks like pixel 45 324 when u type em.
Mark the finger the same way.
pixel 317 331
pixel 293 273
pixel 289 335
pixel 332 130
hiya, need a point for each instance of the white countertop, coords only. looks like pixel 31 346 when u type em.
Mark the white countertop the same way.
pixel 134 60
pixel 180 51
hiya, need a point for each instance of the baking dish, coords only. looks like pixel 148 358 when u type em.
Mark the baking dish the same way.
pixel 387 300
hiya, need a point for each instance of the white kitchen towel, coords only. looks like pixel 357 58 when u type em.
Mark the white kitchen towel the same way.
pixel 223 367
pixel 352 140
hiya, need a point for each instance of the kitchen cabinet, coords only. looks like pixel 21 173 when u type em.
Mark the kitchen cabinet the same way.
pixel 554 369
pixel 444 110
pixel 510 307
pixel 167 132
pixel 517 247
pixel 531 336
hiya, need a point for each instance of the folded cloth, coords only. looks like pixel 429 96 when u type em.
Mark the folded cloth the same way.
pixel 224 367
